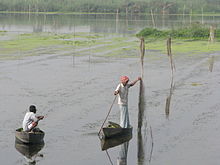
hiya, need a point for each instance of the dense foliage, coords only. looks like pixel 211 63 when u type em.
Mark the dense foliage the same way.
pixel 134 6
pixel 196 31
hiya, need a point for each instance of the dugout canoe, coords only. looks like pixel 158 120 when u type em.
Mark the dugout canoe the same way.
pixel 29 137
pixel 108 133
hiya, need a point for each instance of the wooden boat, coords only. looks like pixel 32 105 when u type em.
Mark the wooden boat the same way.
pixel 29 137
pixel 112 132
pixel 115 132
pixel 112 142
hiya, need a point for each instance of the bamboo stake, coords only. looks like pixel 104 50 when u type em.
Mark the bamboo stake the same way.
pixel 211 34
pixel 141 103
pixel 202 16
pixel 190 18
pixel 116 20
pixel 169 53
pixel 74 48
pixel 211 41
pixel 184 8
pixel 152 16
pixel 142 49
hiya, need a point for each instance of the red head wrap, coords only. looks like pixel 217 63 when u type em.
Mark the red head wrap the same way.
pixel 124 79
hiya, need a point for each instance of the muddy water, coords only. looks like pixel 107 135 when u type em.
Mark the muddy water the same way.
pixel 75 100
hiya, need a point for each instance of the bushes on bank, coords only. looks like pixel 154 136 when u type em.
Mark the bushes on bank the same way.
pixel 195 31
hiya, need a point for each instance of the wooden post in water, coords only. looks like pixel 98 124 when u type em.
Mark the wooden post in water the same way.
pixel 141 106
pixel 184 8
pixel 169 53
pixel 211 41
pixel 152 17
pixel 211 34
pixel 141 103
pixel 142 50
pixel 190 18
pixel 116 20
pixel 202 16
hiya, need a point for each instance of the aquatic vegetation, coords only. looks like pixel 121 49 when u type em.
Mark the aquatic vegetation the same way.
pixel 3 32
pixel 81 44
pixel 25 42
pixel 180 46
pixel 196 84
pixel 194 32
pixel 152 33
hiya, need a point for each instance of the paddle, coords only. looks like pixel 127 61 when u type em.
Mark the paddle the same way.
pixel 107 114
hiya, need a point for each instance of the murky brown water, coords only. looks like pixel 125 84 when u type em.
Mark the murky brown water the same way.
pixel 75 100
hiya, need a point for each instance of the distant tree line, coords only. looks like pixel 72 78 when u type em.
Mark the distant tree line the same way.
pixel 112 6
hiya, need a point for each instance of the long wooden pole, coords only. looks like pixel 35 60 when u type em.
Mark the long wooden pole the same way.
pixel 107 115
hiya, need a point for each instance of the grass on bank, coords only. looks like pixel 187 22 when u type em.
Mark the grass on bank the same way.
pixel 192 39
pixel 184 46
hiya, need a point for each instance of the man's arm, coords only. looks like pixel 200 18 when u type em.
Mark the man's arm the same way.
pixel 134 82
pixel 40 117
pixel 117 90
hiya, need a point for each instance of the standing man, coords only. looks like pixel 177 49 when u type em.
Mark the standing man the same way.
pixel 122 91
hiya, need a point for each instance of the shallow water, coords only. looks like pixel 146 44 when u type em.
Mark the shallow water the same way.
pixel 75 99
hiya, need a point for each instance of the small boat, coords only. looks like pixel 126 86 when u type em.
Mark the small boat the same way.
pixel 36 137
pixel 112 142
pixel 112 132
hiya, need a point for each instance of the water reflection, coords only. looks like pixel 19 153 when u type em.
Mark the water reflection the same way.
pixel 145 146
pixel 30 152
pixel 122 142
pixel 113 142
pixel 168 99
pixel 122 158
pixel 140 151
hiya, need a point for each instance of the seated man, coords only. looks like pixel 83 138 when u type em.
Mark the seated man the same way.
pixel 30 119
